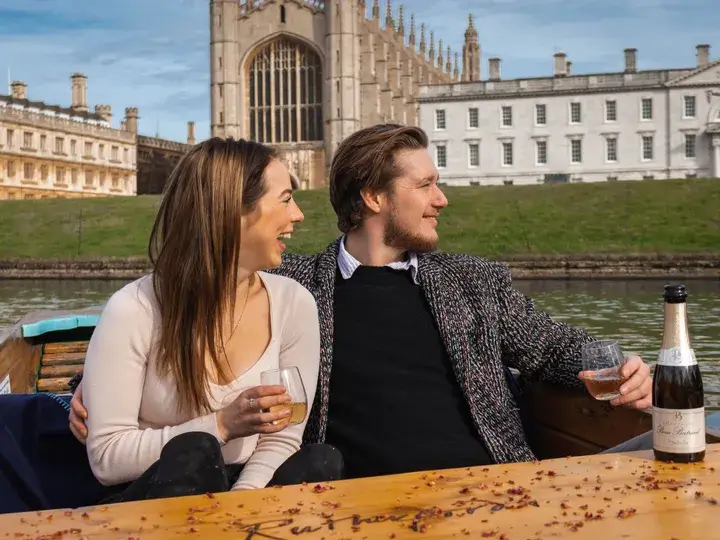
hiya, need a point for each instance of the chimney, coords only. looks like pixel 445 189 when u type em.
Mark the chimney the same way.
pixel 630 60
pixel 568 68
pixel 18 90
pixel 78 87
pixel 560 64
pixel 131 119
pixel 104 112
pixel 703 55
pixel 191 132
pixel 494 69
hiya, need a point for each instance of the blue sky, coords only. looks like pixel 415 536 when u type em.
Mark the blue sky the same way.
pixel 153 54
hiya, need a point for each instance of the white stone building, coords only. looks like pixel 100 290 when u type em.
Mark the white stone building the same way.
pixel 629 125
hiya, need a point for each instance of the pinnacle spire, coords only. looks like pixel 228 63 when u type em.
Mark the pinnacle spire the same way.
pixel 440 54
pixel 423 45
pixel 456 71
pixel 448 61
pixel 376 9
pixel 401 21
pixel 389 22
pixel 411 38
pixel 471 34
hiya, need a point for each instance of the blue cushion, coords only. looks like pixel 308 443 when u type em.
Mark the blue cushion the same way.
pixel 42 466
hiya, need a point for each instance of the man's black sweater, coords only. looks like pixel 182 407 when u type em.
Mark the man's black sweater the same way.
pixel 395 404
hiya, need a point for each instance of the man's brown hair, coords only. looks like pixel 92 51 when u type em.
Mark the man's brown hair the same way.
pixel 366 160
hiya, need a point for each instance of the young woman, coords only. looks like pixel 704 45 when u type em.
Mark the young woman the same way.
pixel 172 375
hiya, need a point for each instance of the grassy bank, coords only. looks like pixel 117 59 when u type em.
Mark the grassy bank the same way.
pixel 619 217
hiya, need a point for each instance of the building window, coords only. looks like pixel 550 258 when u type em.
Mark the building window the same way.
pixel 282 15
pixel 575 151
pixel 27 140
pixel 74 177
pixel 11 169
pixel 440 119
pixel 689 107
pixel 44 172
pixel 541 152
pixel 88 149
pixel 10 138
pixel 540 114
pixel 73 148
pixel 60 175
pixel 126 155
pixel 473 118
pixel 43 142
pixel 441 156
pixel 473 155
pixel 59 145
pixel 29 170
pixel 611 150
pixel 291 110
pixel 611 110
pixel 101 151
pixel 646 106
pixel 507 118
pixel 89 178
pixel 690 145
pixel 114 153
pixel 647 148
pixel 575 113
pixel 507 154
pixel 115 181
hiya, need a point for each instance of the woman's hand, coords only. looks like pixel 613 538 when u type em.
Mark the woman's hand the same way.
pixel 78 416
pixel 246 415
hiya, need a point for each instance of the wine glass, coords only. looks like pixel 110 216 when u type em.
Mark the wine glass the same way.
pixel 601 362
pixel 290 378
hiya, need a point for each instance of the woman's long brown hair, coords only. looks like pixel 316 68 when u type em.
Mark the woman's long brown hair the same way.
pixel 194 249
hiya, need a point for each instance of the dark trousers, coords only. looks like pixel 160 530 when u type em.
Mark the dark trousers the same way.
pixel 192 464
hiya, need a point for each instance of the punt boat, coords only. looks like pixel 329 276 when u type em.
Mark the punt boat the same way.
pixel 42 351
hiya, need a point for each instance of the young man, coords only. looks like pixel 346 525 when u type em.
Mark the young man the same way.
pixel 415 343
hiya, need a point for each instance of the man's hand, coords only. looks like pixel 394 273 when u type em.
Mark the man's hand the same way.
pixel 78 415
pixel 637 387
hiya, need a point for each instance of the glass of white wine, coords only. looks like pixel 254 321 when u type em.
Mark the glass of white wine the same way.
pixel 290 378
pixel 602 361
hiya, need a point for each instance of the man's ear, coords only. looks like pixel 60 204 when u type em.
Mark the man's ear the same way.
pixel 373 200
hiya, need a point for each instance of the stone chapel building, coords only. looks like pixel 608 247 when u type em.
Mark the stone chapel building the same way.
pixel 304 74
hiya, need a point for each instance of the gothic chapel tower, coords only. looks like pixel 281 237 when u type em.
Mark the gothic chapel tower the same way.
pixel 471 53
pixel 224 75
pixel 342 71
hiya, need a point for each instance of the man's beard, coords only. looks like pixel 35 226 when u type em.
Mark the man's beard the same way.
pixel 397 236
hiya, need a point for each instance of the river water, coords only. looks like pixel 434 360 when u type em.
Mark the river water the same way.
pixel 628 310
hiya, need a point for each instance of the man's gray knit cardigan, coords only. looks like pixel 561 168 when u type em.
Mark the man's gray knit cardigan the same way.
pixel 484 323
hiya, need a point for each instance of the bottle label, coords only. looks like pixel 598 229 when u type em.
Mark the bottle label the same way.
pixel 677 356
pixel 679 431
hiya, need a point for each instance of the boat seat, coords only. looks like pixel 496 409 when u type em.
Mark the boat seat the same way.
pixel 59 362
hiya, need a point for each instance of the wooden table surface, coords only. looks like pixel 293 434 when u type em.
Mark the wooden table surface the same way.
pixel 602 496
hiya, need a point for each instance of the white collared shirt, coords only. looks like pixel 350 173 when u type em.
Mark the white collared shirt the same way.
pixel 348 264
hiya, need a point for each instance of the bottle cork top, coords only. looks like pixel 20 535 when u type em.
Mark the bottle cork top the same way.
pixel 675 294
